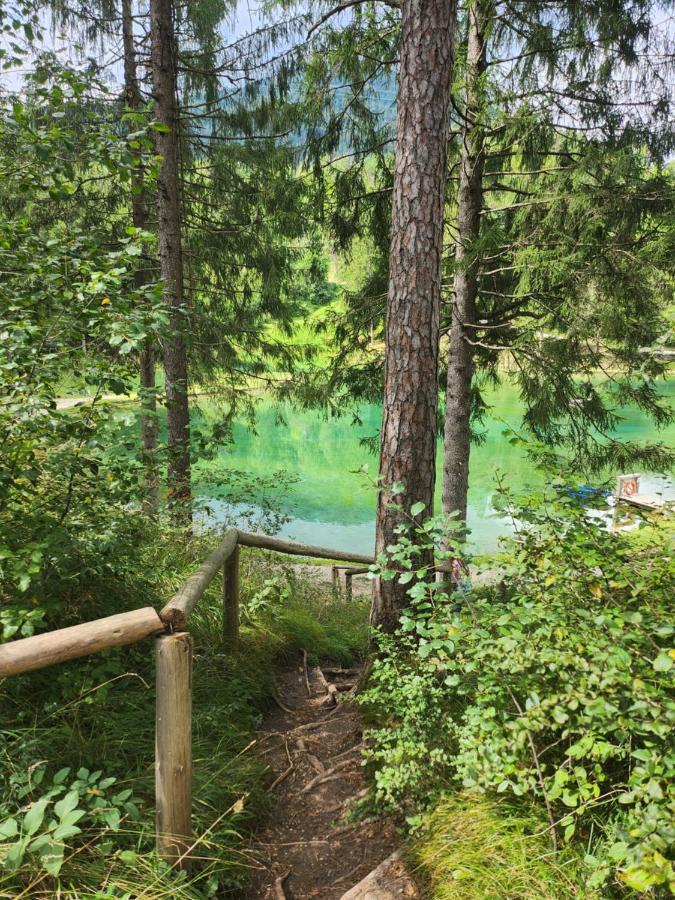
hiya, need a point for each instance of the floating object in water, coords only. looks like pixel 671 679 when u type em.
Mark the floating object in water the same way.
pixel 586 492
pixel 628 491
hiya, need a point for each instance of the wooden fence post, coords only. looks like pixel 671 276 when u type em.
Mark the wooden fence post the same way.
pixel 335 577
pixel 173 747
pixel 231 597
pixel 348 587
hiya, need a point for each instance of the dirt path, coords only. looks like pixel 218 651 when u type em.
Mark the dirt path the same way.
pixel 307 849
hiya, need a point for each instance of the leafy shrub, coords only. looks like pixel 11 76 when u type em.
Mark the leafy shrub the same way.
pixel 42 822
pixel 551 685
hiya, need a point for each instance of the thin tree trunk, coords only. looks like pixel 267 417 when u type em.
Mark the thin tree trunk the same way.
pixel 163 55
pixel 408 437
pixel 139 217
pixel 457 443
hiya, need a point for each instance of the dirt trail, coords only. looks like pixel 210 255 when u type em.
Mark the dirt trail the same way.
pixel 307 849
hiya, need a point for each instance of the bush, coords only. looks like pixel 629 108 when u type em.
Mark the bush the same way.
pixel 552 685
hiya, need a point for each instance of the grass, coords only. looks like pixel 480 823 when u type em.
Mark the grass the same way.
pixel 99 713
pixel 472 848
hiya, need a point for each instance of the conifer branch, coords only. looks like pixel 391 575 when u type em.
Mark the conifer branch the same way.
pixel 341 7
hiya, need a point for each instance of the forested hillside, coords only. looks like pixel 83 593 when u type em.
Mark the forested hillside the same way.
pixel 351 284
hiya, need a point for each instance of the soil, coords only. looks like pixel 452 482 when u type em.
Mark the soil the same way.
pixel 309 848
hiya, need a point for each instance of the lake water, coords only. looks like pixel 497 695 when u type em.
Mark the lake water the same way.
pixel 332 504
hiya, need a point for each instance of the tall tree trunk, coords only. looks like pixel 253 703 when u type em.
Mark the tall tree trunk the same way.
pixel 408 437
pixel 457 442
pixel 164 79
pixel 139 217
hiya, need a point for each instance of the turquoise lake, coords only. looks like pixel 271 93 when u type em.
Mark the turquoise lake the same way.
pixel 331 503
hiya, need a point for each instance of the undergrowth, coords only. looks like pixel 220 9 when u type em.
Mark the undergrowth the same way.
pixel 550 687
pixel 470 848
pixel 95 717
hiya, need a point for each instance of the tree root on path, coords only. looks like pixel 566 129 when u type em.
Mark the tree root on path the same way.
pixel 278 891
pixel 284 775
pixel 348 800
pixel 330 689
pixel 304 666
pixel 327 775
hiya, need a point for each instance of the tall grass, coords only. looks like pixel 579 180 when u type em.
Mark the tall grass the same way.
pixel 471 848
pixel 99 713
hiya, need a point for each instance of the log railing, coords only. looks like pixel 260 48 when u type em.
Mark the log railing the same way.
pixel 173 666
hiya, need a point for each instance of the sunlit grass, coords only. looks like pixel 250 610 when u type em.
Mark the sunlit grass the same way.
pixel 473 849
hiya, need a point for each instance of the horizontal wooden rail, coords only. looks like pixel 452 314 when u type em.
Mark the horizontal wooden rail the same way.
pixel 43 650
pixel 263 542
pixel 176 612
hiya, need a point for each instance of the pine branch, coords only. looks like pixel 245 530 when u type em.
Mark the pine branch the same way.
pixel 341 7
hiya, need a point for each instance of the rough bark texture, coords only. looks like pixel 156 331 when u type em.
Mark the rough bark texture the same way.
pixel 408 437
pixel 457 443
pixel 163 54
pixel 139 217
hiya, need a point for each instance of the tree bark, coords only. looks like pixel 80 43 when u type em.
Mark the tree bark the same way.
pixel 408 436
pixel 457 436
pixel 139 217
pixel 174 353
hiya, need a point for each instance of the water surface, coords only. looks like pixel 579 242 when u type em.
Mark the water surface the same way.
pixel 333 504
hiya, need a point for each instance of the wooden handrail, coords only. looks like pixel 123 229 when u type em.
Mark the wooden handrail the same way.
pixel 264 542
pixel 42 650
pixel 176 612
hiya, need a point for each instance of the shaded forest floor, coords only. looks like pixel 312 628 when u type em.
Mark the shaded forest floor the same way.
pixel 309 847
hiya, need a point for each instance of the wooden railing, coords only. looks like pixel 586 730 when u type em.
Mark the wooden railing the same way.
pixel 173 667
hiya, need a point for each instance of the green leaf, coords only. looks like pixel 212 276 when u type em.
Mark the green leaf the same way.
pixel 51 857
pixel 34 817
pixel 63 832
pixel 14 856
pixel 638 878
pixel 112 818
pixel 8 829
pixel 67 804
pixel 663 662
pixel 417 508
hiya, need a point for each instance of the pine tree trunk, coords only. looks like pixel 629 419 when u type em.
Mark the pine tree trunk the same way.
pixel 408 436
pixel 164 78
pixel 457 444
pixel 139 217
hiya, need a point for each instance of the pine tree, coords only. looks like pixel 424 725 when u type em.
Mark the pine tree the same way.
pixel 408 437
pixel 139 217
pixel 174 352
